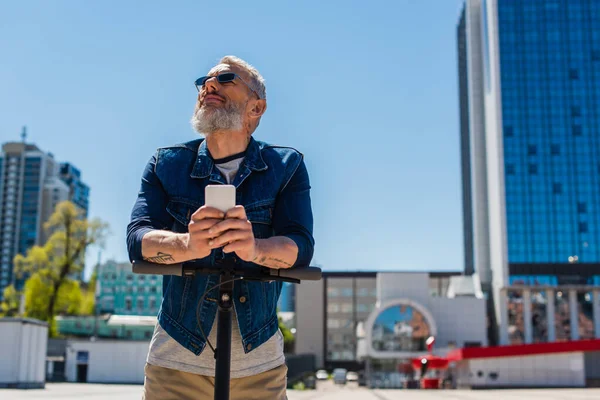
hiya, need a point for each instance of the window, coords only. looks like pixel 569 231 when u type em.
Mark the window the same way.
pixel 583 227
pixel 400 328
pixel 575 111
pixel 128 304
pixel 108 304
pixel 557 188
pixel 333 308
pixel 508 131
pixel 152 304
pixel 510 169
pixel 533 169
pixel 577 130
pixel 573 74
pixel 531 150
pixel 581 207
pixel 555 149
pixel 140 303
pixel 333 323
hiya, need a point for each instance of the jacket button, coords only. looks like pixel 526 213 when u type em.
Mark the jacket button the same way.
pixel 242 299
pixel 249 347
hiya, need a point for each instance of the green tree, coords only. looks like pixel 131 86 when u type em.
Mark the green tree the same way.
pixel 288 337
pixel 10 306
pixel 50 289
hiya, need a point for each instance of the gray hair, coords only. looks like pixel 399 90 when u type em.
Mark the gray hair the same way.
pixel 257 82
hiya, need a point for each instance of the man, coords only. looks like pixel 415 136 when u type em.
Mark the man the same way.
pixel 270 226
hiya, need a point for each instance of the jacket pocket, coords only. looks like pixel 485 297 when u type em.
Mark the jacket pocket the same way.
pixel 181 210
pixel 260 215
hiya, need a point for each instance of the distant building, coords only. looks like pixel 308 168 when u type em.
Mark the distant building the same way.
pixel 79 192
pixel 127 305
pixel 124 293
pixel 528 79
pixel 30 188
pixel 379 321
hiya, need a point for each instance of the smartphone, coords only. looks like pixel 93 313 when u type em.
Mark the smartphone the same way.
pixel 221 197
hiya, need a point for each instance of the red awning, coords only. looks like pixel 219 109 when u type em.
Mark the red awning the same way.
pixel 524 349
pixel 435 362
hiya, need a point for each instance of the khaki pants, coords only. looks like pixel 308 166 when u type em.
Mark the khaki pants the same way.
pixel 169 384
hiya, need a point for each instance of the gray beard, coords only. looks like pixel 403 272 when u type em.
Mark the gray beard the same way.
pixel 208 120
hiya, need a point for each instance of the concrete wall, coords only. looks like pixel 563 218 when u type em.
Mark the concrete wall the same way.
pixel 109 361
pixel 23 350
pixel 395 285
pixel 478 153
pixel 459 320
pixel 551 370
pixel 310 317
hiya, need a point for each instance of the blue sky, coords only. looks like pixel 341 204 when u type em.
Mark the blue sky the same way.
pixel 366 90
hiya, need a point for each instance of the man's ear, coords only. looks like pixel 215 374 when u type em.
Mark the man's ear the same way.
pixel 258 108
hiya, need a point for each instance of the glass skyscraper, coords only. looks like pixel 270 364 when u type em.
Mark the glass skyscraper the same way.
pixel 30 188
pixel 529 83
pixel 79 192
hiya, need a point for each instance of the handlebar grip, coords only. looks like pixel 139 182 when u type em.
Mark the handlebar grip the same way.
pixel 145 267
pixel 303 274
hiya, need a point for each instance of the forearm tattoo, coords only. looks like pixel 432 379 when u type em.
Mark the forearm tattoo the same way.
pixel 161 258
pixel 272 262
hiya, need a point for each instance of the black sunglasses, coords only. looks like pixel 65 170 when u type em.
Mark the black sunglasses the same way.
pixel 222 78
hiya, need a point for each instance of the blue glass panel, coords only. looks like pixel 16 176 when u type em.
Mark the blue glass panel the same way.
pixel 533 280
pixel 550 80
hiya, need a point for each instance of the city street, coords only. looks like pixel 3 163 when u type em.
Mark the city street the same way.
pixel 326 391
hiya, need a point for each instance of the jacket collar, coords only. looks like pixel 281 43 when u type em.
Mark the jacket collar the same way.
pixel 204 162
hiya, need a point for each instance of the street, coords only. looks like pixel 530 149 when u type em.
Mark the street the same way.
pixel 325 391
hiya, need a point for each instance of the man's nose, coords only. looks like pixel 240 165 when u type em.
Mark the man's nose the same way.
pixel 211 84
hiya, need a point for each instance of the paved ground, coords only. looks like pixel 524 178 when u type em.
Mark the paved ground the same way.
pixel 325 391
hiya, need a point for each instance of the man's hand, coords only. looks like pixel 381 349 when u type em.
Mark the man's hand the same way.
pixel 198 231
pixel 235 233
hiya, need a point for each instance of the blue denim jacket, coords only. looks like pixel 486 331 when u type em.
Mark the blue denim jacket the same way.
pixel 272 185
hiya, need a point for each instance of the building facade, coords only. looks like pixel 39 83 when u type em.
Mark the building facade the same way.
pixel 529 84
pixel 31 186
pixel 122 292
pixel 79 192
pixel 379 321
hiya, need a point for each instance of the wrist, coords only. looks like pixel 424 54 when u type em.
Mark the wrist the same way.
pixel 183 244
pixel 258 250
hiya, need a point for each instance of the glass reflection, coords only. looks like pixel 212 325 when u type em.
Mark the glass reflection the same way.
pixel 516 321
pixel 539 316
pixel 585 315
pixel 562 317
pixel 400 328
pixel 533 280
